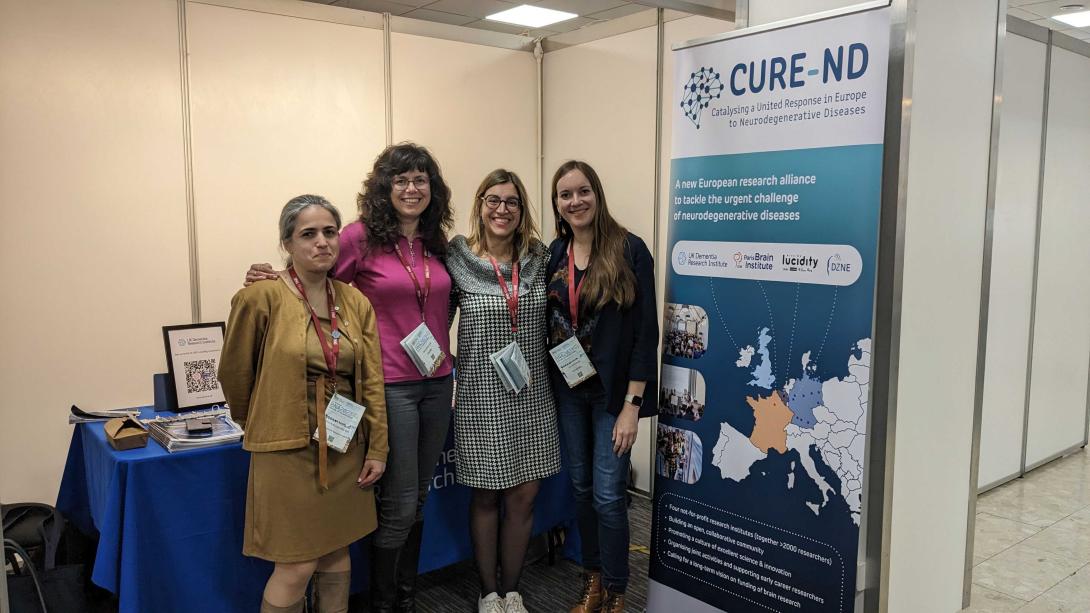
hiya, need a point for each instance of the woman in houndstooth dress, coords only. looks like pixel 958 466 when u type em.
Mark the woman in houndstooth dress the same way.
pixel 506 443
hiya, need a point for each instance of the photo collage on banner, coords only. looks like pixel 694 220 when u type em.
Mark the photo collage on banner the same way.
pixel 775 193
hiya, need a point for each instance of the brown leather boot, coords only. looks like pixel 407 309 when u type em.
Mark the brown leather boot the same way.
pixel 592 594
pixel 295 608
pixel 612 602
pixel 331 591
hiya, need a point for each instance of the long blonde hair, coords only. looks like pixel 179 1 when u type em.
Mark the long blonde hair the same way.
pixel 525 233
pixel 610 279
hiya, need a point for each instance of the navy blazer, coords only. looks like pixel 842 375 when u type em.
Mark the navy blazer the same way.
pixel 625 343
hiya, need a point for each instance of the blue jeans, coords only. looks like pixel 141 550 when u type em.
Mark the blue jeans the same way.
pixel 599 478
pixel 417 418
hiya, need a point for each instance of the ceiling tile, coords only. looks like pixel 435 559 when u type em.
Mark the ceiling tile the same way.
pixel 579 7
pixel 378 6
pixel 497 26
pixel 474 8
pixel 441 17
pixel 570 24
pixel 1050 8
pixel 1019 13
pixel 620 11
pixel 1021 2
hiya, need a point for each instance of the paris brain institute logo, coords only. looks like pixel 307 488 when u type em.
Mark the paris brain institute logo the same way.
pixel 703 87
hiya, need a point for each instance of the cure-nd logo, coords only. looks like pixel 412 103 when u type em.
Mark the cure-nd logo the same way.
pixel 703 87
pixel 680 258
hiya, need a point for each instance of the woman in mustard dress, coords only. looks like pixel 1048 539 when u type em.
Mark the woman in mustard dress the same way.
pixel 290 347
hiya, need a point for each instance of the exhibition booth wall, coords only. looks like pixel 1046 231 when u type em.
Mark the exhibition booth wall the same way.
pixel 1038 349
pixel 116 146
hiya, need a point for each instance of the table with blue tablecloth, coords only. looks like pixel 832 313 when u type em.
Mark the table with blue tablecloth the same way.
pixel 170 524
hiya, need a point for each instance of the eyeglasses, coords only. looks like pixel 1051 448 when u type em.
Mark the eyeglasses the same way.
pixel 401 183
pixel 493 202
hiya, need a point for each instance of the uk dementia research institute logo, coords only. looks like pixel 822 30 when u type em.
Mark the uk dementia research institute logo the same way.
pixel 703 87
pixel 680 258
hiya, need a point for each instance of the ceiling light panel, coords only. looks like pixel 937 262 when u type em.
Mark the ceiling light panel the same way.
pixel 1080 19
pixel 531 16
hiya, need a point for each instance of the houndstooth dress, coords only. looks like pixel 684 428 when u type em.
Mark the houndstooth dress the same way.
pixel 501 440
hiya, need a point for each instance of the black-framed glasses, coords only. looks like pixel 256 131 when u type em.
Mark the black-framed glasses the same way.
pixel 493 202
pixel 401 183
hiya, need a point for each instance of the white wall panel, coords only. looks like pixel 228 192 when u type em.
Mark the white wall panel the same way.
pixel 949 149
pixel 472 106
pixel 281 106
pixel 1014 235
pixel 94 233
pixel 1061 348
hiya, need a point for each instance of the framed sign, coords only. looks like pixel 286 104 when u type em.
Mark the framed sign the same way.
pixel 193 356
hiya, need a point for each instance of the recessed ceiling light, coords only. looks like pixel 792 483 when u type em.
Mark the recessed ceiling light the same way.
pixel 1080 19
pixel 531 16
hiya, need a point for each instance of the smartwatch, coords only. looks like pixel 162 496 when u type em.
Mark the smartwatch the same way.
pixel 634 400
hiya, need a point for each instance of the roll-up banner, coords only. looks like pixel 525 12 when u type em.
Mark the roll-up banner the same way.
pixel 775 192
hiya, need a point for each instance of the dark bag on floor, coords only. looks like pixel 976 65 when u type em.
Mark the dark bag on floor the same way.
pixel 35 527
pixel 37 585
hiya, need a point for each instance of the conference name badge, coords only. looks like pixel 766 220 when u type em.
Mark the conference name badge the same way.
pixel 424 350
pixel 511 367
pixel 573 362
pixel 342 417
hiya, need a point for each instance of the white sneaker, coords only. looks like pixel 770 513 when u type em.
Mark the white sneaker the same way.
pixel 514 603
pixel 492 603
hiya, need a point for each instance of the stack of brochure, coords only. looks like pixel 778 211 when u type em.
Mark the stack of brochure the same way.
pixel 511 367
pixel 172 434
pixel 80 416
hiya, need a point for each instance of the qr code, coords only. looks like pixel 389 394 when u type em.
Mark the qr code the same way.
pixel 200 376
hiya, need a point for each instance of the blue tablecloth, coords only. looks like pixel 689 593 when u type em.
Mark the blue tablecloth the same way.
pixel 170 525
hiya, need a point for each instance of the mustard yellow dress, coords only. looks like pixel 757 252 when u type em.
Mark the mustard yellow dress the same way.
pixel 289 518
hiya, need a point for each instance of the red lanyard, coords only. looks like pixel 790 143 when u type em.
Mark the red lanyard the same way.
pixel 573 289
pixel 511 297
pixel 330 353
pixel 421 295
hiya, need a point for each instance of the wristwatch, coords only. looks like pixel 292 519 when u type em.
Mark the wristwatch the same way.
pixel 634 400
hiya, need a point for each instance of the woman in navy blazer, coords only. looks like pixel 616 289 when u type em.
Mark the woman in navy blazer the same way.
pixel 601 292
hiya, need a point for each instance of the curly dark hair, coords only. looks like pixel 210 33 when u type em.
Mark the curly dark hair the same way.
pixel 377 210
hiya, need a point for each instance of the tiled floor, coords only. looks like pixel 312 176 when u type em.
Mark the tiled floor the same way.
pixel 1032 550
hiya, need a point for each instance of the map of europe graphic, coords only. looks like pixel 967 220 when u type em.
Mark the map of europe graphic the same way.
pixel 802 414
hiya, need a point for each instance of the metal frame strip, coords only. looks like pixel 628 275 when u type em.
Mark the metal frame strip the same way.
pixel 1055 456
pixel 387 79
pixel 985 295
pixel 1072 44
pixel 1027 29
pixel 1037 248
pixel 660 69
pixel 994 484
pixel 876 523
pixel 187 145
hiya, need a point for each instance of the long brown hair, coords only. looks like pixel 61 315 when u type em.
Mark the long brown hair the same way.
pixel 526 231
pixel 610 279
